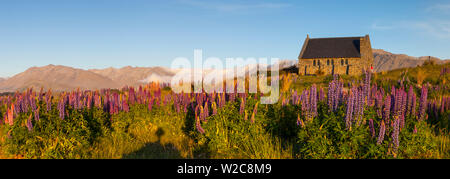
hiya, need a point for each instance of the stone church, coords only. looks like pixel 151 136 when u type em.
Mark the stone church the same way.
pixel 341 55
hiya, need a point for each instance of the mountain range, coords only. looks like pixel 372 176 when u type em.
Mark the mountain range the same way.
pixel 62 78
pixel 386 61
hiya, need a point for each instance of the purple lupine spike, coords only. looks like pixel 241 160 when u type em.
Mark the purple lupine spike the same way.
pixel 214 106
pixel 150 104
pixel 313 98
pixel 61 108
pixel 112 103
pixel 206 111
pixel 366 93
pixel 379 104
pixel 242 107
pixel 349 117
pixel 403 109
pixel 360 106
pixel 198 126
pixel 255 111
pixel 330 95
pixel 303 102
pixel 36 114
pixel 33 104
pixel 395 134
pixel 202 113
pixel 197 112
pixel 387 108
pixel 372 128
pixel 321 95
pixel 423 103
pixel 89 101
pixel 131 96
pixel 29 124
pixel 381 133
pixel 339 95
pixel 126 108
pixel 355 105
pixel 413 105
pixel 409 100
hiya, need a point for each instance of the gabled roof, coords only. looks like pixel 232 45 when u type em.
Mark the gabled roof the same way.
pixel 341 47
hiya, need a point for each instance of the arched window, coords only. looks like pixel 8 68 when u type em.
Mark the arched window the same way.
pixel 346 61
pixel 314 62
pixel 342 62
pixel 328 62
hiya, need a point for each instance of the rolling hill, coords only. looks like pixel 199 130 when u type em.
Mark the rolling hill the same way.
pixel 58 78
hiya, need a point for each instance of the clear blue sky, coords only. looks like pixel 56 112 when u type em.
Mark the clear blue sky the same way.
pixel 102 33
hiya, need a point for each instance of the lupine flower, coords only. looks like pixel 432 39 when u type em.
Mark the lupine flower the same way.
pixel 10 119
pixel 413 105
pixel 126 108
pixel 409 100
pixel 198 126
pixel 381 133
pixel 150 104
pixel 36 114
pixel 321 95
pixel 395 134
pixel 313 98
pixel 242 107
pixel 197 112
pixel 387 108
pixel 360 107
pixel 29 124
pixel 372 128
pixel 255 111
pixel 61 108
pixel 366 91
pixel 349 115
pixel 334 93
pixel 214 106
pixel 423 103
pixel 206 111
pixel 379 104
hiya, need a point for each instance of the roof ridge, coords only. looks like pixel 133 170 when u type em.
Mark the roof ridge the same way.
pixel 336 37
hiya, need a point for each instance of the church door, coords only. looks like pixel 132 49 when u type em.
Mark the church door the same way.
pixel 348 70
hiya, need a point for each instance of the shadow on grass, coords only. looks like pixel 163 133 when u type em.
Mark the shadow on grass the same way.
pixel 155 150
pixel 189 129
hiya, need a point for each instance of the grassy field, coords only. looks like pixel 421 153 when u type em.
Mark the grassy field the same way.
pixel 234 129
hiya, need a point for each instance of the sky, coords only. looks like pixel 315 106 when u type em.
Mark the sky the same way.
pixel 92 34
